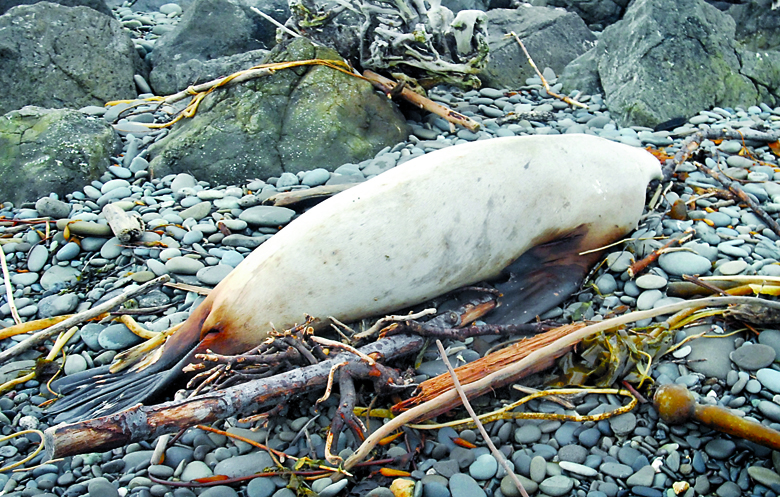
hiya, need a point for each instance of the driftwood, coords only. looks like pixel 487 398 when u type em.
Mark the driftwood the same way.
pixel 475 370
pixel 144 423
pixel 284 199
pixel 450 115
pixel 126 226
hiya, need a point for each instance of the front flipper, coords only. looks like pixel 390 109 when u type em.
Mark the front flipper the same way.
pixel 542 278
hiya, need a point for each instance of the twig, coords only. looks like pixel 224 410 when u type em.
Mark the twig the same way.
pixel 640 265
pixel 76 319
pixel 704 284
pixel 275 22
pixel 535 357
pixel 9 289
pixel 546 85
pixel 381 323
pixel 739 192
pixel 338 345
pixel 496 453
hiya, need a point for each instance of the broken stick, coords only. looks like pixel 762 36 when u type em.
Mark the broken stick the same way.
pixel 148 422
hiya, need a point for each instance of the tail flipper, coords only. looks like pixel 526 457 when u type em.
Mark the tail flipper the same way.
pixel 98 392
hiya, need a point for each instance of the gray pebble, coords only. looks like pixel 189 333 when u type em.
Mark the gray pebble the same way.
pixel 212 275
pixel 484 467
pixel 616 470
pixel 462 485
pixel 769 378
pixel 197 211
pixel 118 337
pixel 528 434
pixel 183 265
pixel 753 356
pixel 766 337
pixel 557 485
pixel 680 263
pixel 266 215
pixel 260 487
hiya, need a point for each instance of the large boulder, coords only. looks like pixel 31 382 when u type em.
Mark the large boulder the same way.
pixel 763 69
pixel 598 14
pixel 211 29
pixel 758 24
pixel 52 150
pixel 553 37
pixel 666 59
pixel 99 5
pixel 49 58
pixel 296 119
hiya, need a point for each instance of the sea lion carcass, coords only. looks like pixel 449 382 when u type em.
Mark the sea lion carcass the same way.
pixel 441 221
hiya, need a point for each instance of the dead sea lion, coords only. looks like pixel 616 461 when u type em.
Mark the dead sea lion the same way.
pixel 444 220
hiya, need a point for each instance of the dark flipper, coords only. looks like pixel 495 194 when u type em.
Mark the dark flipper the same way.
pixel 540 279
pixel 97 392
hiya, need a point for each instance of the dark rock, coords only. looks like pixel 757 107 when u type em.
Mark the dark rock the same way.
pixel 758 25
pixel 582 74
pixel 49 58
pixel 666 58
pixel 553 38
pixel 597 15
pixel 763 68
pixel 208 30
pixel 172 77
pixel 98 5
pixel 52 150
pixel 284 122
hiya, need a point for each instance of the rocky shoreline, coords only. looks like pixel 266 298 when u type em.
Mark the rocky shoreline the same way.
pixel 198 231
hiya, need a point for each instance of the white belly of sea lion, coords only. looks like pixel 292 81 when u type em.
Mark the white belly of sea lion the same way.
pixel 447 219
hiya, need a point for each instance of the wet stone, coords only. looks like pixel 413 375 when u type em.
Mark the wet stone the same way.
pixel 753 356
pixel 766 337
pixel 557 485
pixel 720 448
pixel 680 263
pixel 769 379
pixel 462 485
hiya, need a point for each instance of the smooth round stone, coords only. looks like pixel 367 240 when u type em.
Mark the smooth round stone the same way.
pixel 509 489
pixel 770 410
pixel 623 424
pixel 729 488
pixel 24 279
pixel 245 465
pixel 616 470
pixel 647 299
pixel 578 469
pixel 680 263
pixel 333 489
pixel 169 253
pixel 753 356
pixel 619 261
pixel 720 448
pixel 212 275
pixel 114 184
pixel 556 485
pixel 183 180
pixel 315 177
pixel 651 282
pixel 74 364
pixel 111 249
pixel 92 244
pixel 770 338
pixel 56 275
pixel 210 194
pixel 732 267
pixel 433 489
pixel 39 256
pixel 484 467
pixel 195 470
pixel 769 378
pixel 62 304
pixel 267 215
pixel 538 469
pixel 462 485
pixel 590 437
pixel 68 251
pixel 732 250
pixel 573 453
pixel 118 337
pixel 197 211
pixel 219 491
pixel 764 476
pixel 157 267
pixel 244 241
pixel 528 434
pixel 606 284
pixel 183 265
pixel 101 487
pixel 232 258
pixel 719 219
pixel 260 487
pixel 191 237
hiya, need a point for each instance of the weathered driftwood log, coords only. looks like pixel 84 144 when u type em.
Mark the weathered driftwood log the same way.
pixel 126 226
pixel 146 423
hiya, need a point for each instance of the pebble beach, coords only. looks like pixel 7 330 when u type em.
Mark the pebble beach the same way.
pixel 187 219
